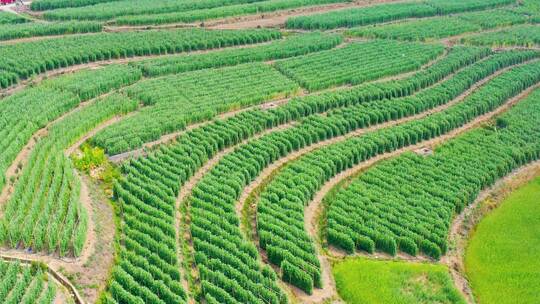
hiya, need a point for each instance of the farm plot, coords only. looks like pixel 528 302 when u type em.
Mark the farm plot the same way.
pixel 285 238
pixel 165 170
pixel 177 101
pixel 25 30
pixel 389 12
pixel 257 7
pixel 292 46
pixel 416 216
pixel 42 5
pixel 495 268
pixel 10 18
pixel 25 112
pixel 25 284
pixel 441 27
pixel 110 10
pixel 357 63
pixel 23 60
pixel 44 212
pixel 523 35
pixel 368 281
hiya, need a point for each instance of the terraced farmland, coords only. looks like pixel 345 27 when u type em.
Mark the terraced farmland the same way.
pixel 265 151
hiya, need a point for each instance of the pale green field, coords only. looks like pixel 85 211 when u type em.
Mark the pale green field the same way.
pixel 503 257
pixel 367 281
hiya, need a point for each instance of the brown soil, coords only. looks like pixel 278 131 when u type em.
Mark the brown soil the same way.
pixel 464 223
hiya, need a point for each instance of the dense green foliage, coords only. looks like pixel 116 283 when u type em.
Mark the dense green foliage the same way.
pixel 280 208
pixel 179 100
pixel 22 60
pixel 497 271
pixel 24 113
pixel 357 63
pixel 434 188
pixel 41 5
pixel 10 18
pixel 521 35
pixel 295 45
pixel 165 170
pixel 25 284
pixel 368 281
pixel 220 12
pixel 389 12
pixel 90 83
pixel 110 10
pixel 458 57
pixel 24 30
pixel 44 212
pixel 440 27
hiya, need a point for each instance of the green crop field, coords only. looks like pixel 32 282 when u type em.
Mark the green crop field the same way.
pixel 496 269
pixel 267 151
pixel 368 281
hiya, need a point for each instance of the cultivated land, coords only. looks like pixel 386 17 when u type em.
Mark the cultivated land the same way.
pixel 269 151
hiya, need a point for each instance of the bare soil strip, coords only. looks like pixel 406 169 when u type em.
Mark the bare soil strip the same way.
pixel 278 18
pixel 326 293
pixel 313 208
pixel 465 222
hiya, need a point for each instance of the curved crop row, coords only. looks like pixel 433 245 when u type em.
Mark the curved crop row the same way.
pixel 42 5
pixel 165 170
pixel 200 95
pixel 441 27
pixel 292 46
pixel 523 35
pixel 44 212
pixel 416 215
pixel 220 12
pixel 389 12
pixel 25 112
pixel 283 237
pixel 24 30
pixel 457 58
pixel 22 60
pixel 357 63
pixel 295 185
pixel 10 18
pixel 25 284
pixel 112 9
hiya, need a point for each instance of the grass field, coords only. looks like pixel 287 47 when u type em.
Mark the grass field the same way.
pixel 502 259
pixel 366 281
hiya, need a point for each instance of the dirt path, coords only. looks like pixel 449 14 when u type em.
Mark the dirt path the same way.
pixel 311 210
pixel 278 18
pixel 464 223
